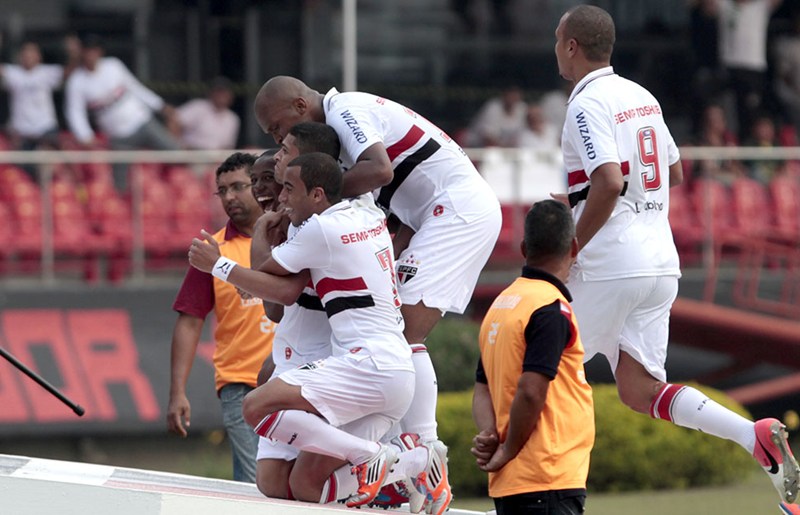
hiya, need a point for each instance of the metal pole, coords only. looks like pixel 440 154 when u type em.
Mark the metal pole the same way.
pixel 349 46
pixel 48 223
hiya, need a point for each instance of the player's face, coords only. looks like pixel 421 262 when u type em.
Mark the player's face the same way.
pixel 29 56
pixel 299 203
pixel 284 156
pixel 265 189
pixel 561 48
pixel 276 118
pixel 233 190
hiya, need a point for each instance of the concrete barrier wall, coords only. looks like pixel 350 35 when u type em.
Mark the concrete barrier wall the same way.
pixel 33 486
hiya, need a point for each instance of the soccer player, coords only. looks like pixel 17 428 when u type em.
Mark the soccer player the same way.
pixel 346 253
pixel 530 383
pixel 451 216
pixel 621 161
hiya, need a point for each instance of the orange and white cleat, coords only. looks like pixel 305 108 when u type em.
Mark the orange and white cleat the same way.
pixel 774 455
pixel 434 479
pixel 371 476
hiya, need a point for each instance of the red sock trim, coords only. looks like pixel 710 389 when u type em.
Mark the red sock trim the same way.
pixel 264 428
pixel 662 404
pixel 332 487
pixel 418 347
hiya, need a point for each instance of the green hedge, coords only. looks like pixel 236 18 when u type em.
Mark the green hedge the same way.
pixel 631 452
pixel 453 346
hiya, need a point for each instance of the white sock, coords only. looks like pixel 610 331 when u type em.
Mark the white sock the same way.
pixel 409 464
pixel 310 433
pixel 688 407
pixel 340 485
pixel 421 415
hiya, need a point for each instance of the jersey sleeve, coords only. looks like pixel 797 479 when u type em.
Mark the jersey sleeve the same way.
pixel 196 296
pixel 54 74
pixel 546 336
pixel 673 153
pixel 308 248
pixel 10 76
pixel 357 127
pixel 480 373
pixel 590 129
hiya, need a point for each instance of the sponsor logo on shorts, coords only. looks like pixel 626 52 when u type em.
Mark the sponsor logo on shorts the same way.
pixel 438 210
pixel 287 353
pixel 355 350
pixel 405 273
pixel 292 439
pixel 313 365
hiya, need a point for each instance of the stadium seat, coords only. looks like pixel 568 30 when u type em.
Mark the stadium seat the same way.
pixel 784 193
pixel 686 231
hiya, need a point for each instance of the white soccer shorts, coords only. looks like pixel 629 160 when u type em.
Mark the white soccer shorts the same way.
pixel 350 387
pixel 630 314
pixel 444 259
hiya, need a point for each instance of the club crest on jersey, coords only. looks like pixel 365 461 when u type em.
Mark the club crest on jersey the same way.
pixel 405 273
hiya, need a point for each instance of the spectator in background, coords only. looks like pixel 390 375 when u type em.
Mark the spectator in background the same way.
pixel 208 123
pixel 763 134
pixel 499 121
pixel 743 28
pixel 704 34
pixel 120 105
pixel 787 67
pixel 243 338
pixel 554 104
pixel 538 133
pixel 714 132
pixel 30 84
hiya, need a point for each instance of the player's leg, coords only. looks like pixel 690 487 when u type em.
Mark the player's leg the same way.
pixel 643 350
pixel 240 436
pixel 274 463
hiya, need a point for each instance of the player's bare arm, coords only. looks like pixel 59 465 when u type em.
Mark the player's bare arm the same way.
pixel 372 170
pixel 525 411
pixel 264 237
pixel 283 289
pixel 675 174
pixel 606 185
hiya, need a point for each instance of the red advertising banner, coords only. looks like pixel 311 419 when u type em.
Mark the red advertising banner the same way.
pixel 106 350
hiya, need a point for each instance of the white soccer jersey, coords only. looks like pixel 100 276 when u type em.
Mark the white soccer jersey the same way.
pixel 349 254
pixel 613 120
pixel 119 102
pixel 32 110
pixel 431 172
pixel 304 334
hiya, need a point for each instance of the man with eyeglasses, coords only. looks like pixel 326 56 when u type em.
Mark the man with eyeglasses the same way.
pixel 243 337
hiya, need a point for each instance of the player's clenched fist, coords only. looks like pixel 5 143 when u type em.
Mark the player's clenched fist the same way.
pixel 203 254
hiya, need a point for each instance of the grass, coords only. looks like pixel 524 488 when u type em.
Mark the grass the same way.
pixel 208 455
pixel 752 497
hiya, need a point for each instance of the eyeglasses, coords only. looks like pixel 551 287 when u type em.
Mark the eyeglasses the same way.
pixel 236 187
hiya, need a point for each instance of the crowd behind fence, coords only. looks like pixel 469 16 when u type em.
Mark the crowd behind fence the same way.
pixel 68 221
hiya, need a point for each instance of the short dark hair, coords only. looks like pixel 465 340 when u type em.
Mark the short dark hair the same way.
pixel 593 29
pixel 549 231
pixel 316 137
pixel 236 161
pixel 93 41
pixel 318 170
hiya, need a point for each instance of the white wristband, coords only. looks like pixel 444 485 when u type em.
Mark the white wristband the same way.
pixel 222 268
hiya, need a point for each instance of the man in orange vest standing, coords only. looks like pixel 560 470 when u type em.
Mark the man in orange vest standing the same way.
pixel 243 335
pixel 530 384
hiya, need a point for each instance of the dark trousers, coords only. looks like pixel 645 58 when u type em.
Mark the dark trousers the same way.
pixel 552 502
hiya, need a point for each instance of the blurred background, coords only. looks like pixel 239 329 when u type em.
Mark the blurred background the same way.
pixel 95 234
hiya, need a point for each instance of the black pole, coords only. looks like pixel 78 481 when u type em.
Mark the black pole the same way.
pixel 42 382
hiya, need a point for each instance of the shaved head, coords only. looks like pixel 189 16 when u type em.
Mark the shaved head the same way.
pixel 593 29
pixel 283 102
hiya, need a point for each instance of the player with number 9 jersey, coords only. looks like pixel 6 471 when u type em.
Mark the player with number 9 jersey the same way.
pixel 611 119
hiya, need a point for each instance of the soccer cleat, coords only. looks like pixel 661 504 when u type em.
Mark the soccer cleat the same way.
pixel 391 496
pixel 371 475
pixel 417 495
pixel 434 479
pixel 790 509
pixel 773 454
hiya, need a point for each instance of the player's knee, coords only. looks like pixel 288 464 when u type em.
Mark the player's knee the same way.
pixel 272 487
pixel 252 412
pixel 303 489
pixel 272 478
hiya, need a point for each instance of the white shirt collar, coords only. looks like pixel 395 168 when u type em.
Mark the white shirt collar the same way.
pixel 327 99
pixel 601 72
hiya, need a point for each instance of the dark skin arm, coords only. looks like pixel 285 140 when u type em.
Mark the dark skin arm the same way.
pixel 526 409
pixel 485 443
pixel 606 185
pixel 675 174
pixel 371 171
pixel 263 232
pixel 185 337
